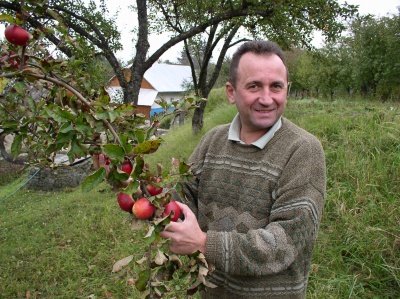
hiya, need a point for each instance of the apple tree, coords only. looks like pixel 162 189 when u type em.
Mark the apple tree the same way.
pixel 48 103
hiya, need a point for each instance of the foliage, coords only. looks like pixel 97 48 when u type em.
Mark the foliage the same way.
pixel 365 61
pixel 50 104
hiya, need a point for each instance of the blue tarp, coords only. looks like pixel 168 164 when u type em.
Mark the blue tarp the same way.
pixel 159 110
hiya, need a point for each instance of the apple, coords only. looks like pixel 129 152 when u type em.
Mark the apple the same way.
pixel 125 202
pixel 16 35
pixel 143 208
pixel 154 190
pixel 127 167
pixel 14 62
pixel 172 209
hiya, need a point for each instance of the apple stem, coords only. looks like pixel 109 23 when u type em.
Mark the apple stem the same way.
pixel 144 189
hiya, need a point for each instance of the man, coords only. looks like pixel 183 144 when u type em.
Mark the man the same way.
pixel 260 188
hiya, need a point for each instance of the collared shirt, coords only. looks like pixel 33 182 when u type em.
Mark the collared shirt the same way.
pixel 234 132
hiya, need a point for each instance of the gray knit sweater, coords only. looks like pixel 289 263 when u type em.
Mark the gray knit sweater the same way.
pixel 261 210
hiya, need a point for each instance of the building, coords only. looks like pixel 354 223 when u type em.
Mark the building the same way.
pixel 161 81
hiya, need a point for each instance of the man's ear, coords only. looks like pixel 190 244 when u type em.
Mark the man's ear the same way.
pixel 230 92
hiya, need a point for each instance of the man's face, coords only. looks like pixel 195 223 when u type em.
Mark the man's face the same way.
pixel 260 93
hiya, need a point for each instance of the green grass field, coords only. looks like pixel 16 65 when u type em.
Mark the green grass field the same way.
pixel 63 245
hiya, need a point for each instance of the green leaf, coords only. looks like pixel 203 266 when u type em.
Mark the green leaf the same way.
pixel 58 114
pixel 141 282
pixel 3 83
pixel 114 151
pixel 65 128
pixel 20 87
pixel 147 147
pixel 140 136
pixel 7 18
pixel 138 167
pixel 9 124
pixel 16 145
pixel 65 137
pixel 91 181
pixel 183 167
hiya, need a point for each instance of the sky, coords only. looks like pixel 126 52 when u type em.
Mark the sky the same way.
pixel 379 8
pixel 126 20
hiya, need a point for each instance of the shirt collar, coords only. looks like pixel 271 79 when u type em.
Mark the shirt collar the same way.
pixel 234 132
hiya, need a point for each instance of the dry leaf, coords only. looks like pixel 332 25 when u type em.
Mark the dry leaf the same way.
pixel 141 261
pixel 136 224
pixel 122 263
pixel 160 258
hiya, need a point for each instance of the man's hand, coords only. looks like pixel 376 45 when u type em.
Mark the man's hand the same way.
pixel 186 236
pixel 99 160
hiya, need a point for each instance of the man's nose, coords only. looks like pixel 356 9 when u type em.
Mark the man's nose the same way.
pixel 265 96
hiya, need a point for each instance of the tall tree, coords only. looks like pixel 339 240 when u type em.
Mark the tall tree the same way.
pixel 290 23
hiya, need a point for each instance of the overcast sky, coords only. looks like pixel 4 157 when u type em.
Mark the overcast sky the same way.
pixel 126 20
pixel 376 7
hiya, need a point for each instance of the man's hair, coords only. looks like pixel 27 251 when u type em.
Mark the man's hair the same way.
pixel 264 48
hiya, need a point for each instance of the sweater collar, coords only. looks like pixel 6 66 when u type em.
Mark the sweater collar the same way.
pixel 234 132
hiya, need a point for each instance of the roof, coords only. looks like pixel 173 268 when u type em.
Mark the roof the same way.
pixel 146 96
pixel 168 77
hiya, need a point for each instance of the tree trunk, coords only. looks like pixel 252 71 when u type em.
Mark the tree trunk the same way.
pixel 197 120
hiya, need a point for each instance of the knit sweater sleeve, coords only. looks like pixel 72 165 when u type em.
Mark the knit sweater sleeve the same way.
pixel 288 238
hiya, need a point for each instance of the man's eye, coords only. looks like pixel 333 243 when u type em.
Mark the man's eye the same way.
pixel 277 87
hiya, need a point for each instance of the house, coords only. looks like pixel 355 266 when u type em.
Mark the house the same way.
pixel 161 81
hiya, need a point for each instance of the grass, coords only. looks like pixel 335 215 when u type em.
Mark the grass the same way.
pixel 63 245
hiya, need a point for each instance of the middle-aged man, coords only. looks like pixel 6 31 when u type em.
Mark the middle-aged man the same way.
pixel 258 197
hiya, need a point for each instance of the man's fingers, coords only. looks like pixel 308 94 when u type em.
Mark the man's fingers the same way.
pixel 186 211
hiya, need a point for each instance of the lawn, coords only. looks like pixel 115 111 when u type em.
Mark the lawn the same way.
pixel 63 245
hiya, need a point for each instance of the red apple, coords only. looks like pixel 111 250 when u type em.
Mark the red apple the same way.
pixel 172 209
pixel 154 190
pixel 125 202
pixel 14 62
pixel 16 35
pixel 127 167
pixel 143 209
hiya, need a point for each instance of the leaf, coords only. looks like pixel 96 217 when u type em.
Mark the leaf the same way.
pixel 94 179
pixel 114 151
pixel 7 18
pixel 65 128
pixel 3 83
pixel 16 145
pixel 136 224
pixel 142 260
pixel 150 236
pixel 147 147
pixel 20 87
pixel 183 167
pixel 58 114
pixel 141 282
pixel 160 258
pixel 121 263
pixel 140 136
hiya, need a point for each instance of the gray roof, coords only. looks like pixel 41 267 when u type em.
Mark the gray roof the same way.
pixel 146 96
pixel 168 77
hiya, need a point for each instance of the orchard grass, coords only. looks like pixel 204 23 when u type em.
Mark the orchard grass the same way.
pixel 63 245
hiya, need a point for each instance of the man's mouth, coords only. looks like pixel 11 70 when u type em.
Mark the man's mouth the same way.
pixel 263 110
